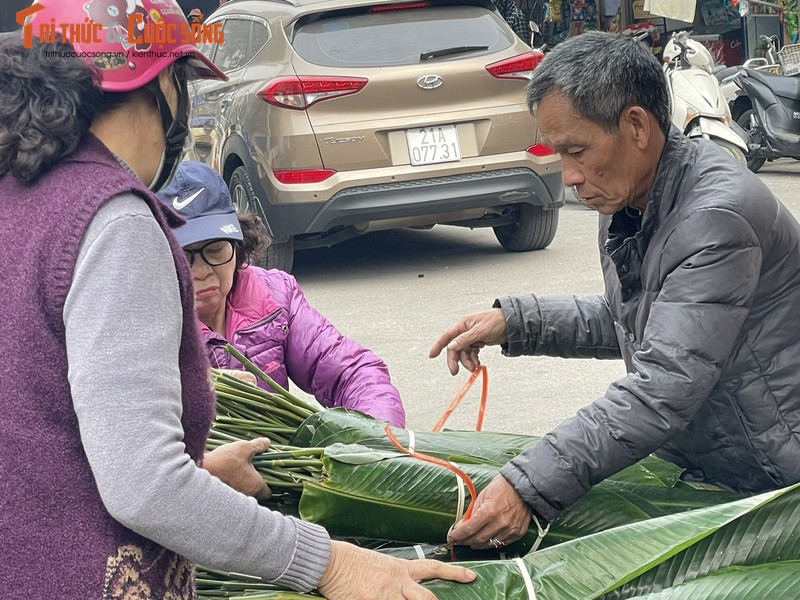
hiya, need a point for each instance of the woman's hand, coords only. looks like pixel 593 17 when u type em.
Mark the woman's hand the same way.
pixel 243 375
pixel 232 463
pixel 358 574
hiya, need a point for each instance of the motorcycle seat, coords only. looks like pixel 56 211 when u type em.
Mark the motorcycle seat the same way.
pixel 726 72
pixel 783 86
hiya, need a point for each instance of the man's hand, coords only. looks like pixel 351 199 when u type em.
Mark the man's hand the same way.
pixel 500 514
pixel 471 333
pixel 232 463
pixel 358 574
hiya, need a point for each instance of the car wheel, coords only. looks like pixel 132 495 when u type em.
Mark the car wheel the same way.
pixel 279 255
pixel 533 229
pixel 744 121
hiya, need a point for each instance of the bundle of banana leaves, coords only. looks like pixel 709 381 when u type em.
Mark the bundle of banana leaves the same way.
pixel 742 550
pixel 342 471
pixel 641 534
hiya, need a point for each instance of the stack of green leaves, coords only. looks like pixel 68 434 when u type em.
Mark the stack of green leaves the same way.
pixel 629 537
pixel 367 492
pixel 740 550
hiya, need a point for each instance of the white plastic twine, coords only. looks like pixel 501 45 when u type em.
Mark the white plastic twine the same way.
pixel 460 505
pixel 412 442
pixel 462 498
pixel 540 531
pixel 420 552
pixel 526 577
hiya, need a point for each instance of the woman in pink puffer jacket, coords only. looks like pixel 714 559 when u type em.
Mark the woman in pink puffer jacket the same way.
pixel 264 313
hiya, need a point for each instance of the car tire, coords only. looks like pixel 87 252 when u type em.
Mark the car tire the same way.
pixel 533 229
pixel 279 255
pixel 753 163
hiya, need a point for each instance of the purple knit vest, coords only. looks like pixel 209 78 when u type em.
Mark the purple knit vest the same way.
pixel 57 541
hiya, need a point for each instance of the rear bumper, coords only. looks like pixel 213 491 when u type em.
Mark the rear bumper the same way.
pixel 436 197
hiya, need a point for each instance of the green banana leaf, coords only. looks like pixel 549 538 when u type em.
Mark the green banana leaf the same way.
pixel 212 583
pixel 776 581
pixel 386 495
pixel 679 547
pixel 258 595
pixel 344 426
pixel 651 471
pixel 742 550
pixel 769 535
pixel 615 502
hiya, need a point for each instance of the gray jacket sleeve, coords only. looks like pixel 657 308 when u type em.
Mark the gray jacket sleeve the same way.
pixel 123 327
pixel 564 326
pixel 712 267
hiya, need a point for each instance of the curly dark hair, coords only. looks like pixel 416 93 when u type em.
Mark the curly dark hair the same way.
pixel 49 99
pixel 256 239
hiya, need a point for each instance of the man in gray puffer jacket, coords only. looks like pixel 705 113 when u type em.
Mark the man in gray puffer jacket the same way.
pixel 702 300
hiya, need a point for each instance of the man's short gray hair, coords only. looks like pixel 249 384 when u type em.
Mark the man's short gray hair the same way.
pixel 601 74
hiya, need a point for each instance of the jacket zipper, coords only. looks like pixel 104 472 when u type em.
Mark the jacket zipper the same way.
pixel 268 319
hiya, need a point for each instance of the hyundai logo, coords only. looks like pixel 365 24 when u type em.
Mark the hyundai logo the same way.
pixel 430 82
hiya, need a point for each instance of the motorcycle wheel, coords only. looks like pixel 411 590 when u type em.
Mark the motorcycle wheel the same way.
pixel 734 151
pixel 753 163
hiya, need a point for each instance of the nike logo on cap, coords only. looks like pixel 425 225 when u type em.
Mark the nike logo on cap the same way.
pixel 178 204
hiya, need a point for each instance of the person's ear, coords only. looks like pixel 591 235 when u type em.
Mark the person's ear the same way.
pixel 636 125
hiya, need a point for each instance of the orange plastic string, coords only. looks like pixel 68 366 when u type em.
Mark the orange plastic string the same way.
pixel 481 370
pixel 442 463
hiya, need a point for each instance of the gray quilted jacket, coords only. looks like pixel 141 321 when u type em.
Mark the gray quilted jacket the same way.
pixel 702 302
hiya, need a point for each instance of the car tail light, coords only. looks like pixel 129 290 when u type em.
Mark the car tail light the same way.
pixel 298 93
pixel 303 175
pixel 540 150
pixel 399 6
pixel 516 67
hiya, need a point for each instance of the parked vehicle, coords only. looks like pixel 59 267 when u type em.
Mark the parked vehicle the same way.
pixel 699 107
pixel 342 117
pixel 768 63
pixel 769 112
pixel 767 106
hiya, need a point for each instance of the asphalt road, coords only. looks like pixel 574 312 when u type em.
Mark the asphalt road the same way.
pixel 396 291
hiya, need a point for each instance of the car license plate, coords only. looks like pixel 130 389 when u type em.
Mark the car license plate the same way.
pixel 430 145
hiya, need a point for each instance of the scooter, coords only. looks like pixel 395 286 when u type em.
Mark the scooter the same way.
pixel 768 63
pixel 767 107
pixel 769 112
pixel 699 108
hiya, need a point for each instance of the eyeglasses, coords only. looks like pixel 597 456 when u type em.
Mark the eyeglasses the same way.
pixel 214 253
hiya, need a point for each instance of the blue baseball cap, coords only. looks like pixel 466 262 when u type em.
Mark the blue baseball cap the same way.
pixel 199 194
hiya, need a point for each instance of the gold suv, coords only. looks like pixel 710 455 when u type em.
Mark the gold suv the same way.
pixel 342 117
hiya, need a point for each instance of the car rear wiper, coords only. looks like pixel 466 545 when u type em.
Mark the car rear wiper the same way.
pixel 449 51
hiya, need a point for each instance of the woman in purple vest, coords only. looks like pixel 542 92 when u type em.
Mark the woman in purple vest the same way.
pixel 103 383
pixel 264 313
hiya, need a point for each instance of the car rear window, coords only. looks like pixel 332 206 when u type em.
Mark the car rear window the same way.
pixel 398 37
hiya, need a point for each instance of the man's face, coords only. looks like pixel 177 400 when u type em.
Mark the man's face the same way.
pixel 606 171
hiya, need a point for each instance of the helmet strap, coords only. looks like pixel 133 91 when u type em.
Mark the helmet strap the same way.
pixel 176 131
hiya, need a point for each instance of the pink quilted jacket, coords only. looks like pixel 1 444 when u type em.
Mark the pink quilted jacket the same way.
pixel 269 320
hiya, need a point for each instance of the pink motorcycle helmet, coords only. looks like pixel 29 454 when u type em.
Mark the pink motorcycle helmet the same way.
pixel 124 60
